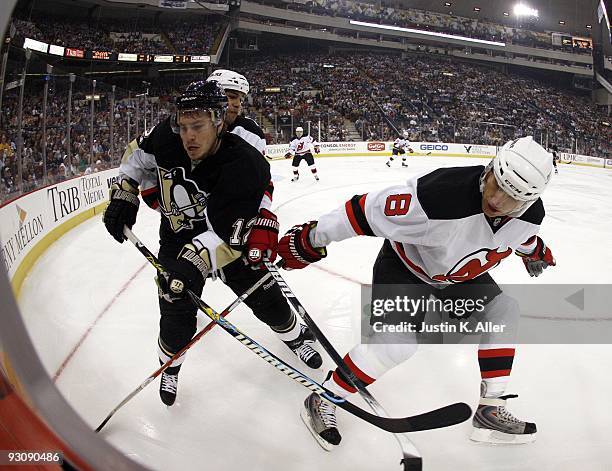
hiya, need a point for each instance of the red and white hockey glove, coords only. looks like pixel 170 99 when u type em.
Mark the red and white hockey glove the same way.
pixel 263 239
pixel 539 259
pixel 296 250
pixel 288 155
pixel 317 149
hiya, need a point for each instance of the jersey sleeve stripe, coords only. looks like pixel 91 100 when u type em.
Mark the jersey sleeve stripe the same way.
pixel 355 210
pixel 148 191
pixel 269 190
pixel 529 241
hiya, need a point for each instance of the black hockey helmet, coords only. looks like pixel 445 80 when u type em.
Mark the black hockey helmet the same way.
pixel 201 95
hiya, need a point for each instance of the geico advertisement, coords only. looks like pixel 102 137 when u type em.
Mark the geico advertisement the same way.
pixel 25 221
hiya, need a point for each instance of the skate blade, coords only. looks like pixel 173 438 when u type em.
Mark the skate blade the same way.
pixel 308 422
pixel 483 435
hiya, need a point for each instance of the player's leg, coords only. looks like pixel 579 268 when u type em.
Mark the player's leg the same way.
pixel 493 423
pixel 404 164
pixel 270 306
pixel 367 361
pixel 294 165
pixel 393 154
pixel 311 164
pixel 177 325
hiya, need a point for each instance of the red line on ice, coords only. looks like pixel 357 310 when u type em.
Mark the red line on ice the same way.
pixel 60 370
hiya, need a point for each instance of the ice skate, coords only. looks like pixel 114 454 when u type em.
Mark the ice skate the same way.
pixel 320 418
pixel 301 347
pixel 167 388
pixel 295 178
pixel 493 423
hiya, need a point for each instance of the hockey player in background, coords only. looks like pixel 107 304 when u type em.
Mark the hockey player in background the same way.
pixel 210 188
pixel 399 148
pixel 555 157
pixel 301 148
pixel 236 88
pixel 444 230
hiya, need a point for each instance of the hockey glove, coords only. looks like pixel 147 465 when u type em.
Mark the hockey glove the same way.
pixel 187 272
pixel 538 260
pixel 263 239
pixel 288 155
pixel 317 149
pixel 296 249
pixel 122 209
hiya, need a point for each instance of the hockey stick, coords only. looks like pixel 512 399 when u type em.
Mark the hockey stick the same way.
pixel 453 414
pixel 393 425
pixel 197 337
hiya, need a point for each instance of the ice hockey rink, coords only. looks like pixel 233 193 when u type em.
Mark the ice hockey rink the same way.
pixel 90 305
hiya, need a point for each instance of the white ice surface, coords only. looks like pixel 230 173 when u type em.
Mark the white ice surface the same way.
pixel 235 412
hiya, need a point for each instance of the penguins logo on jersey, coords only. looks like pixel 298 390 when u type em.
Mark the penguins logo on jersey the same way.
pixel 182 202
pixel 473 265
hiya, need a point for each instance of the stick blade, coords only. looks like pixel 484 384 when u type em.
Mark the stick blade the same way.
pixel 443 417
pixel 446 416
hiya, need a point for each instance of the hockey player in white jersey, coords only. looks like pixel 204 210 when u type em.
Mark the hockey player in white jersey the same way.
pixel 301 148
pixel 400 145
pixel 236 88
pixel 445 230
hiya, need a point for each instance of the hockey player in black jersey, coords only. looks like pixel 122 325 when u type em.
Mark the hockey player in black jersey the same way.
pixel 208 185
pixel 236 89
pixel 555 157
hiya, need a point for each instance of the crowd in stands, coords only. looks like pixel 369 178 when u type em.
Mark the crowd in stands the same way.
pixel 171 37
pixel 435 99
pixel 84 159
pixel 431 21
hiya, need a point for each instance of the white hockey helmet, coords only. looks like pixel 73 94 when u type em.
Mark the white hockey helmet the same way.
pixel 522 169
pixel 230 80
pixel 300 130
pixel 405 134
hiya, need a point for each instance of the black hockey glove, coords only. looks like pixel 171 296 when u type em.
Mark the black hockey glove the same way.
pixel 122 209
pixel 187 272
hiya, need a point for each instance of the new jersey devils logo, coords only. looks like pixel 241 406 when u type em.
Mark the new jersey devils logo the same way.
pixel 473 265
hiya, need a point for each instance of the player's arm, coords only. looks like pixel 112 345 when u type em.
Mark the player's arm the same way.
pixel 233 207
pixel 292 148
pixel 315 145
pixel 536 255
pixel 136 172
pixel 393 213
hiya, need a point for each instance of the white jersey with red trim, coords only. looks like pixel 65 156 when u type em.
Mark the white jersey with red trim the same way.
pixel 302 145
pixel 400 143
pixel 436 225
